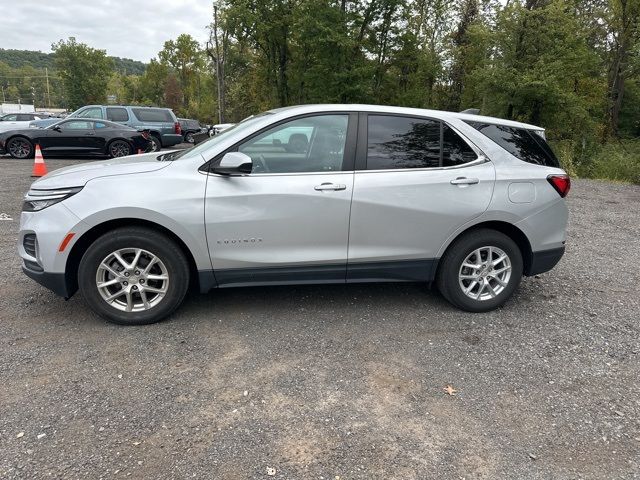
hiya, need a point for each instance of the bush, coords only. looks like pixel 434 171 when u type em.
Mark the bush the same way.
pixel 616 160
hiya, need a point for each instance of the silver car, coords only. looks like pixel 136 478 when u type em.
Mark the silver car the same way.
pixel 306 194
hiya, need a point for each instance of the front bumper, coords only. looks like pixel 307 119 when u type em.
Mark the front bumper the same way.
pixel 56 282
pixel 41 257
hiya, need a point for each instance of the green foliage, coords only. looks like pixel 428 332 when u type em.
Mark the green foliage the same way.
pixel 615 160
pixel 84 72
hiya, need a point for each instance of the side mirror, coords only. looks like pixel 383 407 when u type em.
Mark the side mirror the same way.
pixel 57 128
pixel 234 163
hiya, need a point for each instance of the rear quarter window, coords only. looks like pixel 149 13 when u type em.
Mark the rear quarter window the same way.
pixel 117 114
pixel 153 115
pixel 519 142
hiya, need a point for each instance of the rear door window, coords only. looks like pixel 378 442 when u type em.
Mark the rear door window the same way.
pixel 117 114
pixel 153 115
pixel 519 142
pixel 455 151
pixel 402 142
pixel 398 142
pixel 92 112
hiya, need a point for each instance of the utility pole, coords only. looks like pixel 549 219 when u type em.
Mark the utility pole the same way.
pixel 46 73
pixel 218 57
pixel 218 77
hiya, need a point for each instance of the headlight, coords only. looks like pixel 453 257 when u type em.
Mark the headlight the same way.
pixel 36 200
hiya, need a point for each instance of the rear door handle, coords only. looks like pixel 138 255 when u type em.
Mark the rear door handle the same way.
pixel 330 186
pixel 464 181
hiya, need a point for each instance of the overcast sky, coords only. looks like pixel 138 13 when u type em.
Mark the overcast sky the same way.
pixel 124 28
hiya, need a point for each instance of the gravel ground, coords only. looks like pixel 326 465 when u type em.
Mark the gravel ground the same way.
pixel 334 381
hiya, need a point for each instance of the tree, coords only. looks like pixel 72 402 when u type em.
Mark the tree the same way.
pixel 84 71
pixel 623 19
pixel 185 58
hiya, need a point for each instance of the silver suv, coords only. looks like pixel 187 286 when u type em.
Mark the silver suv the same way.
pixel 307 194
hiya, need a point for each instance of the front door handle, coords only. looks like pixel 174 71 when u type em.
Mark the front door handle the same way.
pixel 330 186
pixel 464 181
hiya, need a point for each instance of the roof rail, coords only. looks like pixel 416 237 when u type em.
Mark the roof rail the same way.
pixel 471 111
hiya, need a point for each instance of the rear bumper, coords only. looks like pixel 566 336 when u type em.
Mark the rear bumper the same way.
pixel 56 282
pixel 170 139
pixel 544 260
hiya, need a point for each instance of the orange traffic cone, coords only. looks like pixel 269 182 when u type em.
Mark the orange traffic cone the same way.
pixel 39 167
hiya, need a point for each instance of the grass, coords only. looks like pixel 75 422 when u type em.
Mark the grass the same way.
pixel 617 160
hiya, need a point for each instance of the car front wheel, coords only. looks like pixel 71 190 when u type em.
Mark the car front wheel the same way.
pixel 133 276
pixel 20 147
pixel 480 270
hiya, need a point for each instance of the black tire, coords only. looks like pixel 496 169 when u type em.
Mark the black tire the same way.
pixel 450 267
pixel 172 259
pixel 20 147
pixel 156 143
pixel 119 148
pixel 189 138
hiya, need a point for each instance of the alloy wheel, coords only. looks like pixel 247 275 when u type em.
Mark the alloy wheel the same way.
pixel 19 148
pixel 132 280
pixel 485 273
pixel 119 149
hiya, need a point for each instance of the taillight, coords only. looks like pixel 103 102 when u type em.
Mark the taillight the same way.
pixel 178 128
pixel 562 184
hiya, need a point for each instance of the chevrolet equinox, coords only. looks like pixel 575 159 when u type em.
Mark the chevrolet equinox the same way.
pixel 306 194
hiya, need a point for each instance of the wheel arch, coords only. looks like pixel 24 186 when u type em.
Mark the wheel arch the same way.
pixel 510 230
pixel 21 135
pixel 82 244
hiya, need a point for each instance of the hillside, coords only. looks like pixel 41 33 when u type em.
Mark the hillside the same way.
pixel 20 58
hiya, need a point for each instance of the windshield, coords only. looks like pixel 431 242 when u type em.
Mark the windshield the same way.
pixel 213 141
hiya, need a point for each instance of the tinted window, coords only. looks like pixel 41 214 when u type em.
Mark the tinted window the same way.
pixel 10 118
pixel 402 142
pixel 311 144
pixel 76 125
pixel 455 151
pixel 117 114
pixel 24 117
pixel 153 115
pixel 93 112
pixel 519 142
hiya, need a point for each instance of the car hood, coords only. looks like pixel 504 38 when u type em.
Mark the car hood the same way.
pixel 79 175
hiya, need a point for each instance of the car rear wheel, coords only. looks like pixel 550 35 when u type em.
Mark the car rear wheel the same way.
pixel 20 147
pixel 480 270
pixel 119 148
pixel 156 144
pixel 189 138
pixel 133 276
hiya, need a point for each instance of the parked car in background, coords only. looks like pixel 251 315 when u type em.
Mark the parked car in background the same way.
pixel 164 128
pixel 11 121
pixel 220 127
pixel 378 193
pixel 190 127
pixel 76 137
pixel 43 123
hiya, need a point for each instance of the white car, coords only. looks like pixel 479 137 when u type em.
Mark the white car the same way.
pixel 18 121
